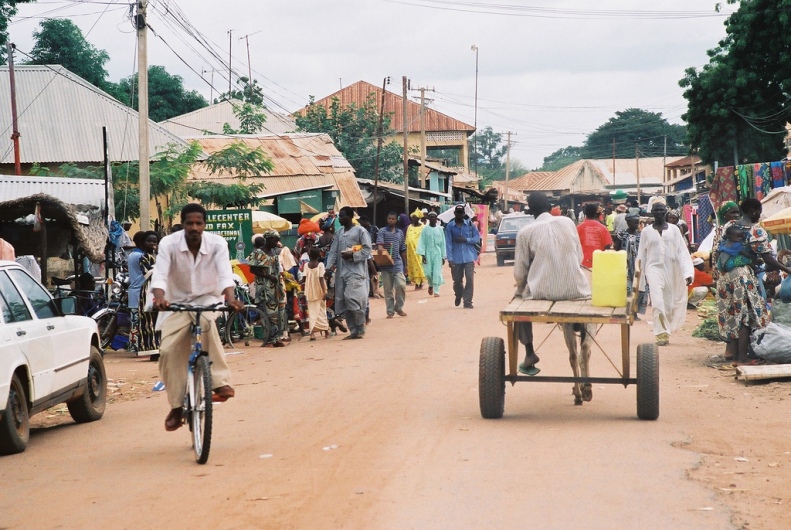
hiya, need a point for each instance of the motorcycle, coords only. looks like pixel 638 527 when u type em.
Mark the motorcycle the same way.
pixel 113 318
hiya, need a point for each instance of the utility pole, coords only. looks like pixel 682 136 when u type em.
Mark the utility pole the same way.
pixel 230 58
pixel 142 116
pixel 423 170
pixel 406 153
pixel 14 119
pixel 664 168
pixel 249 66
pixel 379 141
pixel 211 84
pixel 507 172
pixel 637 170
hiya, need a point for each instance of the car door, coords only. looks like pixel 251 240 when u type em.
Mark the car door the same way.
pixel 67 343
pixel 29 335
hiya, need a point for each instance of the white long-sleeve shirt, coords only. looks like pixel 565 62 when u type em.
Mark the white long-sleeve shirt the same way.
pixel 547 260
pixel 186 279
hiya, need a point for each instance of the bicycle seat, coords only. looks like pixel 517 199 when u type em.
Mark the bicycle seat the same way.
pixel 60 281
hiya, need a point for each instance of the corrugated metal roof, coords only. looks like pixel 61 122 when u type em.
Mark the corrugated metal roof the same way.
pixel 359 92
pixel 652 170
pixel 61 118
pixel 213 117
pixel 301 162
pixel 68 190
pixel 563 179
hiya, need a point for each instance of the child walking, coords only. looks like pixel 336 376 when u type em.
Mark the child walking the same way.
pixel 316 292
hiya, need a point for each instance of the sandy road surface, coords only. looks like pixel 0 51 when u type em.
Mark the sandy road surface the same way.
pixel 386 433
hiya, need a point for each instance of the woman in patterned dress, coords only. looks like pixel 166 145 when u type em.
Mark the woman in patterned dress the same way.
pixel 740 302
pixel 148 338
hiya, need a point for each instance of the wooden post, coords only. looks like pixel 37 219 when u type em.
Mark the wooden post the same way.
pixel 14 123
pixel 142 116
pixel 379 141
pixel 406 150
pixel 507 173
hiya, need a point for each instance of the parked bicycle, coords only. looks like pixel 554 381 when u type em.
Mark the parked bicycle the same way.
pixel 237 327
pixel 197 407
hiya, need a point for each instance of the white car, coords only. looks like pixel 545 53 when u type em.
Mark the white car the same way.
pixel 48 356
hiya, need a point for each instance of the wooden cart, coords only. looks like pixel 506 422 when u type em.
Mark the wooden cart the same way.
pixel 492 369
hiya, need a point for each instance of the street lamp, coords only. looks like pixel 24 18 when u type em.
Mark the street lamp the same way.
pixel 475 124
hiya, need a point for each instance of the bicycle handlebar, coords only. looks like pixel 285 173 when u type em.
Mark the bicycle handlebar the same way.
pixel 219 306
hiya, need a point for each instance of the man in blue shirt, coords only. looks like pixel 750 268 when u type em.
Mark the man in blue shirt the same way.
pixel 461 242
pixel 391 239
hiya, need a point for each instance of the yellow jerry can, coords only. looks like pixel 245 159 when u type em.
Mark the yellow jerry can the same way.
pixel 609 278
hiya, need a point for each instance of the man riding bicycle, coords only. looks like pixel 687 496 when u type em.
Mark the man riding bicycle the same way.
pixel 191 268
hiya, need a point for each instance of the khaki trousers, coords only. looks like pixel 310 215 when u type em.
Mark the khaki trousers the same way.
pixel 175 350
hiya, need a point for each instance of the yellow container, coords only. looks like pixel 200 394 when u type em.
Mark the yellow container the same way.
pixel 609 278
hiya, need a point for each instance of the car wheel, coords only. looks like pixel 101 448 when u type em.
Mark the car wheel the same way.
pixel 500 260
pixel 91 404
pixel 15 424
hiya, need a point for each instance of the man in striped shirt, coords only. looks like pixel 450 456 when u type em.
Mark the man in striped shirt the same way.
pixel 546 266
pixel 391 239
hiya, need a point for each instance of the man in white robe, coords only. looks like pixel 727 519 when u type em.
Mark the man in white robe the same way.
pixel 668 270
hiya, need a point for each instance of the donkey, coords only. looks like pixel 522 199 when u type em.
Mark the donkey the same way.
pixel 579 362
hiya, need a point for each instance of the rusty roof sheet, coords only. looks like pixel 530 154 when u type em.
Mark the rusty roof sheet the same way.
pixel 61 118
pixel 301 162
pixel 359 92
pixel 560 180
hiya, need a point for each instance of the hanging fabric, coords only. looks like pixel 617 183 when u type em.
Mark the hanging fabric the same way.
pixel 778 177
pixel 761 180
pixel 723 187
pixel 746 183
pixel 705 215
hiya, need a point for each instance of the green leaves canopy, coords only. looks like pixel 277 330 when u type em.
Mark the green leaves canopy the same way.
pixel 738 102
pixel 167 96
pixel 60 41
pixel 631 127
pixel 353 129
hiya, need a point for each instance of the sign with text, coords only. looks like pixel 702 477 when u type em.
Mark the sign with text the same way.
pixel 236 227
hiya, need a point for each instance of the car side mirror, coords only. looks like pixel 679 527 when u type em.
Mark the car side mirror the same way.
pixel 66 305
pixel 494 231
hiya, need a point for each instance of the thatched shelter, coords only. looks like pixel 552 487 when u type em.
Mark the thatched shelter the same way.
pixel 68 230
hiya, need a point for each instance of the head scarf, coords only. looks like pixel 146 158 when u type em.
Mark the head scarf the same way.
pixel 417 213
pixel 724 208
pixel 271 233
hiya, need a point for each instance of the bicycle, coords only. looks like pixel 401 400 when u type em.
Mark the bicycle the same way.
pixel 239 326
pixel 197 407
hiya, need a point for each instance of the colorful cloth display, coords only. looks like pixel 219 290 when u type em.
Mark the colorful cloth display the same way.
pixel 761 180
pixel 746 182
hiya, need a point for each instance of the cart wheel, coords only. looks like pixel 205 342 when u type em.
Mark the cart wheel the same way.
pixel 491 378
pixel 647 382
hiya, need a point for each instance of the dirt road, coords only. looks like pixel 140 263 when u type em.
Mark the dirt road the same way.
pixel 386 433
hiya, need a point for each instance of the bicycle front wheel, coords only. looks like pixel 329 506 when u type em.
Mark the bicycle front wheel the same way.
pixel 241 326
pixel 200 417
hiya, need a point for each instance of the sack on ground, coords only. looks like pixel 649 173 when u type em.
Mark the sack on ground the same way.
pixel 784 292
pixel 772 343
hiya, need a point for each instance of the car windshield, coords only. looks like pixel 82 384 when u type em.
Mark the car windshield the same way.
pixel 513 224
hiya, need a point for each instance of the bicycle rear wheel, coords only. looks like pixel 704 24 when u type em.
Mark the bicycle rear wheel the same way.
pixel 200 417
pixel 241 325
pixel 108 326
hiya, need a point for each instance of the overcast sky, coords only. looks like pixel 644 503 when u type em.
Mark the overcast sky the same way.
pixel 549 71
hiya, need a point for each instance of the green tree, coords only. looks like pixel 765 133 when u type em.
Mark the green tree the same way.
pixel 738 102
pixel 632 127
pixel 487 154
pixel 8 9
pixel 561 158
pixel 60 41
pixel 353 130
pixel 251 119
pixel 251 92
pixel 167 96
